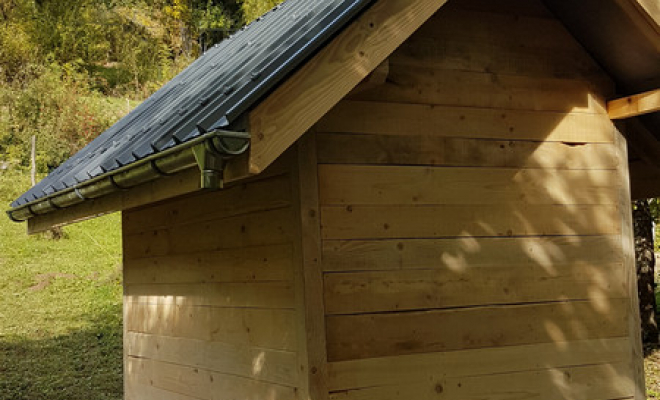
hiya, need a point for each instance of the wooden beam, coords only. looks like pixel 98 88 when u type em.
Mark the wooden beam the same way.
pixel 309 276
pixel 311 92
pixel 633 106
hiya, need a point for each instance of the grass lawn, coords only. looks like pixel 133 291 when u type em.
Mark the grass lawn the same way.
pixel 60 308
pixel 652 369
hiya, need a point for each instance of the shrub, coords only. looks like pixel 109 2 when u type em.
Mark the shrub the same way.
pixel 59 109
pixel 252 9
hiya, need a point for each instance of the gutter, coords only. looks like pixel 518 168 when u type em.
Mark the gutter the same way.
pixel 210 152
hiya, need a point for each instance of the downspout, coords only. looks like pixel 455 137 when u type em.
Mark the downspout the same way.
pixel 210 152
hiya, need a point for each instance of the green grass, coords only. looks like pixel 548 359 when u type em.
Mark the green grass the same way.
pixel 60 308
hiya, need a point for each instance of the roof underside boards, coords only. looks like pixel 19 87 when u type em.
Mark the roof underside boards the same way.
pixel 212 93
pixel 622 39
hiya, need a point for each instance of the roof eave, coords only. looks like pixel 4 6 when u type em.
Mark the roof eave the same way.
pixel 211 153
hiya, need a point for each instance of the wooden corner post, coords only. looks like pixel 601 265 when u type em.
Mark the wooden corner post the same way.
pixel 628 253
pixel 309 276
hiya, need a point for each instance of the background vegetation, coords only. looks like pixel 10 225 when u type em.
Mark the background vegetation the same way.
pixel 62 63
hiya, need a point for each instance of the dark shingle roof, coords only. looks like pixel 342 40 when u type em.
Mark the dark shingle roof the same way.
pixel 213 92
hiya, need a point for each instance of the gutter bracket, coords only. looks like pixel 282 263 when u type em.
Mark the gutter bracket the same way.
pixel 10 214
pixel 213 154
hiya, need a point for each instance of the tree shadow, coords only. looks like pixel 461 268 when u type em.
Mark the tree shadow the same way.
pixel 85 364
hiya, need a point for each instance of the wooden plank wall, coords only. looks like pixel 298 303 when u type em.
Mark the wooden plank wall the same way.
pixel 471 219
pixel 211 309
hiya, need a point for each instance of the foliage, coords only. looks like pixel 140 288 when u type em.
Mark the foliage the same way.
pixel 60 316
pixel 58 108
pixel 652 370
pixel 252 9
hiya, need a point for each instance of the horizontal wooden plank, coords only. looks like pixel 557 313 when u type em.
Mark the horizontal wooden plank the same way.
pixel 383 291
pixel 427 85
pixel 232 387
pixel 256 229
pixel 144 391
pixel 593 382
pixel 249 362
pixel 264 328
pixel 246 198
pixel 515 7
pixel 278 295
pixel 399 119
pixel 460 53
pixel 153 378
pixel 392 185
pixel 416 368
pixel 502 43
pixel 341 148
pixel 380 335
pixel 483 23
pixel 259 264
pixel 387 222
pixel 459 255
pixel 633 106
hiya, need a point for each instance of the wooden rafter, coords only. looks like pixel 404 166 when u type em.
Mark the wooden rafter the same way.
pixel 633 106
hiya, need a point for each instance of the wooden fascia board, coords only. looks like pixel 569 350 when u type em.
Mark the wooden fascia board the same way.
pixel 182 183
pixel 294 107
pixel 632 106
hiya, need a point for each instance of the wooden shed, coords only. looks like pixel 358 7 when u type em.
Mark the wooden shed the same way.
pixel 399 199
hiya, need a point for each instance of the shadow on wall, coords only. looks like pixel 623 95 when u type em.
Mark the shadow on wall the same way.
pixel 86 364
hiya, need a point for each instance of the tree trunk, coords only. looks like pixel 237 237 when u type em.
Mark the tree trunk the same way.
pixel 645 262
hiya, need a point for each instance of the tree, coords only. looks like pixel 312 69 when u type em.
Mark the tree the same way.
pixel 645 262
